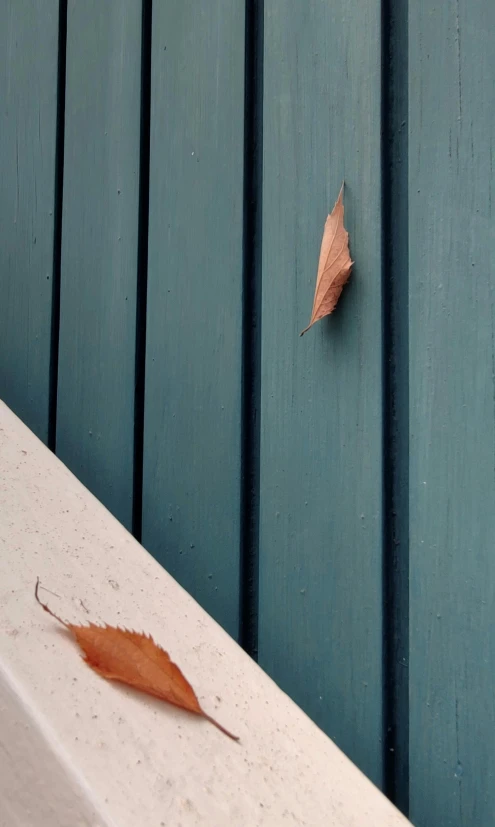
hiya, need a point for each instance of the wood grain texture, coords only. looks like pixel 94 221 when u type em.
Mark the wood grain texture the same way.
pixel 99 249
pixel 28 121
pixel 321 535
pixel 191 486
pixel 452 413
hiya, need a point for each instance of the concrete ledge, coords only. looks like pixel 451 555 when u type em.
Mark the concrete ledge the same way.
pixel 76 750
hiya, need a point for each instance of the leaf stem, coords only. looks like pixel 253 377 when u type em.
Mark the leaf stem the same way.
pixel 45 607
pixel 220 727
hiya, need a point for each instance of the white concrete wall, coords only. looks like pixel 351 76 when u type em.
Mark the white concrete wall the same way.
pixel 77 750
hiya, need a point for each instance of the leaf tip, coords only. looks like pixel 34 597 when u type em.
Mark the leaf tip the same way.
pixel 340 200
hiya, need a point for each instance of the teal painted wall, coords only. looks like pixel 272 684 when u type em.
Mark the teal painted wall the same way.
pixel 165 173
pixel 320 539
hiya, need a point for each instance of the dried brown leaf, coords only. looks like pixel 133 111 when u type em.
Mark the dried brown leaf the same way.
pixel 135 659
pixel 334 266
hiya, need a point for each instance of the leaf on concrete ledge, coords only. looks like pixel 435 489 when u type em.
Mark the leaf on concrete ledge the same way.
pixel 135 659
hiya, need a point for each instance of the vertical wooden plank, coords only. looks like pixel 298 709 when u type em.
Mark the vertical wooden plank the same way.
pixel 452 413
pixel 191 486
pixel 99 249
pixel 28 126
pixel 320 621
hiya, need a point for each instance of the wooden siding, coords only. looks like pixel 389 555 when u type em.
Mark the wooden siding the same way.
pixel 28 132
pixel 95 396
pixel 321 396
pixel 193 373
pixel 452 413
